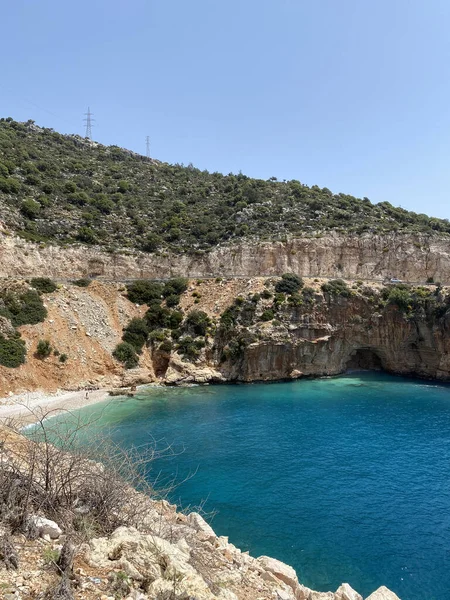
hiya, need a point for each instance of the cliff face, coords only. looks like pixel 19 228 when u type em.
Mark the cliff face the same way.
pixel 409 257
pixel 85 324
pixel 318 334
pixel 348 335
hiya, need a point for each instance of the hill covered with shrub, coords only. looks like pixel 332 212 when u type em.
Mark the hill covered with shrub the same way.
pixel 67 189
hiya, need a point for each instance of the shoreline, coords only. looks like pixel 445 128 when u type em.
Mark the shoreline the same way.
pixel 26 407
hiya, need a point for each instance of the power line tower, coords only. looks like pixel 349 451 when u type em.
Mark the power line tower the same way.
pixel 88 120
pixel 147 140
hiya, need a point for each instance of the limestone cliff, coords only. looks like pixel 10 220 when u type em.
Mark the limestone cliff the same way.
pixel 410 257
pixel 314 333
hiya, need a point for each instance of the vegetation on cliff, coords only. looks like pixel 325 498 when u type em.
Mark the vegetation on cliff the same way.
pixel 68 189
pixel 19 305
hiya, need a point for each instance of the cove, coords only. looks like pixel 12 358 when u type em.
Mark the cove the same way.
pixel 345 479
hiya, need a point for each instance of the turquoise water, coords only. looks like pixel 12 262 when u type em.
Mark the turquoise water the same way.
pixel 346 479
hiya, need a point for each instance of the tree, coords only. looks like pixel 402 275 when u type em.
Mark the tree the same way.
pixel 197 322
pixel 289 283
pixel 30 208
pixel 126 354
pixel 44 349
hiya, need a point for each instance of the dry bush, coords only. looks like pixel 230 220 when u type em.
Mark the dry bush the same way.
pixel 88 489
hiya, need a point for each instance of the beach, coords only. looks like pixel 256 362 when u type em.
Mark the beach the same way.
pixel 28 407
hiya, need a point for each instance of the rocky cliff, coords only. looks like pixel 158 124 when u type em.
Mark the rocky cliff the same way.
pixel 69 547
pixel 412 257
pixel 267 336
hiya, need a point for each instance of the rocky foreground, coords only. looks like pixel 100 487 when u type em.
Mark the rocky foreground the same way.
pixel 167 556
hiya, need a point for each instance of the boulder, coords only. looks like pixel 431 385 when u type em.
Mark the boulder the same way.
pixel 345 592
pixel 382 593
pixel 283 572
pixel 199 524
pixel 44 527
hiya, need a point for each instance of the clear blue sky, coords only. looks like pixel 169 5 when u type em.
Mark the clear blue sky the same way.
pixel 353 95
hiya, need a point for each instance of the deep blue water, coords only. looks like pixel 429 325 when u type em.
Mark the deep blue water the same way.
pixel 345 479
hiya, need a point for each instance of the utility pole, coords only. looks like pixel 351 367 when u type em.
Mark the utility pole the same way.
pixel 88 120
pixel 148 146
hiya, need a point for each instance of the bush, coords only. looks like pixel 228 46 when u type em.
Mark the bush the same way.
pixel 126 354
pixel 172 300
pixel 83 283
pixel 44 285
pixel 158 317
pixel 151 242
pixel 12 351
pixel 336 287
pixel 157 336
pixel 145 292
pixel 136 334
pixel 166 346
pixel 63 358
pixel 190 348
pixel 44 349
pixel 197 322
pixel 289 283
pixel 30 209
pixel 23 309
pixel 175 287
pixel 267 315
pixel 400 297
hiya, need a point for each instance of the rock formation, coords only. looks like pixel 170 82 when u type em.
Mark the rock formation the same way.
pixel 410 257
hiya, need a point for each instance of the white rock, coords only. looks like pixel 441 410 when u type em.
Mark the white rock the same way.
pixel 345 592
pixel 382 593
pixel 45 527
pixel 199 524
pixel 280 570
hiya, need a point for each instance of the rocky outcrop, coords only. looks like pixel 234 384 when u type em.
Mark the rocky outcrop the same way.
pixel 410 257
pixel 383 593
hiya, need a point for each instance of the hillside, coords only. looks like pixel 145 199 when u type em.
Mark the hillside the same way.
pixel 218 330
pixel 66 189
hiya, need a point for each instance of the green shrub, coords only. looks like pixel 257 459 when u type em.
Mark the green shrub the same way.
pixel 30 209
pixel 44 285
pixel 295 300
pixel 136 334
pixel 44 349
pixel 26 308
pixel 172 300
pixel 189 347
pixel 289 283
pixel 157 336
pixel 175 287
pixel 166 346
pixel 175 319
pixel 197 322
pixel 144 292
pixel 83 282
pixel 126 354
pixel 267 315
pixel 63 358
pixel 266 294
pixel 158 317
pixel 400 297
pixel 12 351
pixel 336 287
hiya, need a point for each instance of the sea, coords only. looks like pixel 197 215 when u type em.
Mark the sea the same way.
pixel 347 479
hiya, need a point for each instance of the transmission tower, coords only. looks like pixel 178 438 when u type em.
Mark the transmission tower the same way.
pixel 88 120
pixel 147 140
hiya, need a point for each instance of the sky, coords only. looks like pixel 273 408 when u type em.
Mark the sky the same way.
pixel 352 95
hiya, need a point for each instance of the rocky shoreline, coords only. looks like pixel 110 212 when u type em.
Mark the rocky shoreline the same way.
pixel 170 556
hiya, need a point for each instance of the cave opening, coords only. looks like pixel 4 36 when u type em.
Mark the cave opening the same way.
pixel 364 359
